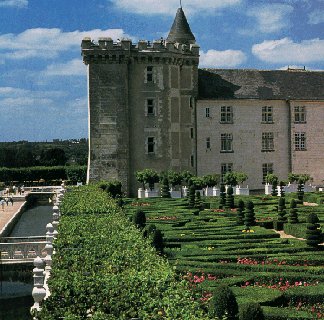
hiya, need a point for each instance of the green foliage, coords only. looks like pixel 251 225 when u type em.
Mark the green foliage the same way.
pixel 211 180
pixel 240 212
pixel 139 218
pixel 293 216
pixel 113 188
pixel 313 232
pixel 175 178
pixel 251 311
pixel 192 193
pixel 274 191
pixel 233 178
pixel 222 195
pixel 281 186
pixel 197 182
pixel 230 198
pixel 282 210
pixel 104 268
pixel 271 178
pixel 157 240
pixel 148 176
pixel 297 177
pixel 165 190
pixel 249 218
pixel 198 202
pixel 186 176
pixel 53 157
pixel 76 173
pixel 223 303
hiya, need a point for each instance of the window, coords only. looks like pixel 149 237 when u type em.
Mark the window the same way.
pixel 149 74
pixel 225 167
pixel 207 111
pixel 226 114
pixel 226 142
pixel 267 141
pixel 191 133
pixel 266 168
pixel 300 114
pixel 150 145
pixel 300 141
pixel 208 143
pixel 192 161
pixel 150 107
pixel 267 116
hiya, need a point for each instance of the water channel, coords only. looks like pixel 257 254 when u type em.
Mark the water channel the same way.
pixel 15 297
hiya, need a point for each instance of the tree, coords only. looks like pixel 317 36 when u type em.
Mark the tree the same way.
pixel 186 176
pixel 157 241
pixel 293 216
pixel 165 192
pixel 313 232
pixel 222 196
pixel 241 177
pixel 230 178
pixel 211 180
pixel 223 303
pixel 148 176
pixel 139 218
pixel 230 198
pixel 281 186
pixel 240 212
pixel 249 218
pixel 192 192
pixel 197 182
pixel 175 178
pixel 198 202
pixel 273 180
pixel 282 210
pixel 53 157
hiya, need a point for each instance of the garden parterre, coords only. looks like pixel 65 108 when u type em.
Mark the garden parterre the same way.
pixel 208 249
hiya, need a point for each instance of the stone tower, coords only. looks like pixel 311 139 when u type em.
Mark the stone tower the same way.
pixel 142 104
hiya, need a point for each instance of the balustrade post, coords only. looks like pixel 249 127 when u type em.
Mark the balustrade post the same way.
pixel 55 222
pixel 39 291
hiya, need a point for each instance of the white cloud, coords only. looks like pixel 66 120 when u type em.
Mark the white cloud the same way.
pixel 220 59
pixel 287 51
pixel 17 93
pixel 14 3
pixel 48 43
pixel 271 17
pixel 169 7
pixel 74 67
pixel 316 17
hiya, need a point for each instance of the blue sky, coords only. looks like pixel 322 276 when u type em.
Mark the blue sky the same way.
pixel 43 86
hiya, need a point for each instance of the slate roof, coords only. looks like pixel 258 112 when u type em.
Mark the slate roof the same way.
pixel 259 84
pixel 180 30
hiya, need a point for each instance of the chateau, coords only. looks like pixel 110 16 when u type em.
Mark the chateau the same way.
pixel 150 106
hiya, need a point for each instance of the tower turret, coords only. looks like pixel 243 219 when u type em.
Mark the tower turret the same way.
pixel 180 30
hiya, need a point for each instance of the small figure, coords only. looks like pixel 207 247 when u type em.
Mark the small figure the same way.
pixel 2 204
pixel 6 200
pixel 11 200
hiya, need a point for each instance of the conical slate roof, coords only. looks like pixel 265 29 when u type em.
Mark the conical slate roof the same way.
pixel 180 30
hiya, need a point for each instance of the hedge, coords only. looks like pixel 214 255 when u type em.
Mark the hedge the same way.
pixel 105 268
pixel 73 173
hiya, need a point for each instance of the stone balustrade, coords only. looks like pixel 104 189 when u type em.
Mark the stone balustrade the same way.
pixel 22 250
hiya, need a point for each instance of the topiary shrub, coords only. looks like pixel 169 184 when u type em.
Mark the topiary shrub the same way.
pixel 157 241
pixel 223 303
pixel 222 196
pixel 230 198
pixel 149 230
pixel 240 212
pixel 313 232
pixel 165 190
pixel 191 201
pixel 139 218
pixel 282 210
pixel 274 191
pixel 198 202
pixel 281 186
pixel 251 311
pixel 249 218
pixel 293 216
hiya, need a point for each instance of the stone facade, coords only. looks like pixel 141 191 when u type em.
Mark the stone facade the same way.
pixel 151 107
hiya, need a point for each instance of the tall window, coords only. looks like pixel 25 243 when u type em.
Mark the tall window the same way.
pixel 150 145
pixel 192 161
pixel 300 114
pixel 208 143
pixel 300 141
pixel 266 168
pixel 226 142
pixel 192 133
pixel 267 114
pixel 150 107
pixel 207 112
pixel 149 74
pixel 226 114
pixel 267 141
pixel 225 167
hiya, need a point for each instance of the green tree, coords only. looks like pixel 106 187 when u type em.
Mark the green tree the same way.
pixel 249 218
pixel 313 232
pixel 211 180
pixel 175 178
pixel 240 212
pixel 222 196
pixel 147 176
pixel 186 176
pixel 198 202
pixel 191 201
pixel 282 210
pixel 293 216
pixel 230 198
pixel 53 157
pixel 139 218
pixel 165 190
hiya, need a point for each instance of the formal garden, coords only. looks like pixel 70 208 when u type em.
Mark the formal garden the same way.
pixel 223 257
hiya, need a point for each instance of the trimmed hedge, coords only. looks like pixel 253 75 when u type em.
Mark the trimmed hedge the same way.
pixel 104 267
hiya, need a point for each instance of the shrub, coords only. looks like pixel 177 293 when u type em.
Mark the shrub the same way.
pixel 222 196
pixel 139 218
pixel 293 217
pixel 274 191
pixel 157 240
pixel 211 180
pixel 223 303
pixel 281 210
pixel 113 188
pixel 249 218
pixel 230 198
pixel 191 201
pixel 251 311
pixel 313 232
pixel 281 186
pixel 198 202
pixel 240 212
pixel 165 192
pixel 148 176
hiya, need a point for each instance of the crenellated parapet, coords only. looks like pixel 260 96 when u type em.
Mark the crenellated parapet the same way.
pixel 124 51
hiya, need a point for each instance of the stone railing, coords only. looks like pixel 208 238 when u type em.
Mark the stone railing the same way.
pixel 43 265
